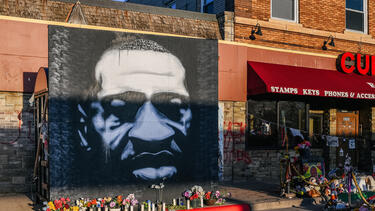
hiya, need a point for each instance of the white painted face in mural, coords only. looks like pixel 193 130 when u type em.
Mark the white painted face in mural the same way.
pixel 143 112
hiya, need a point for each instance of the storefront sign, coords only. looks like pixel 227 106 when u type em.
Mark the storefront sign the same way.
pixel 322 93
pixel 348 63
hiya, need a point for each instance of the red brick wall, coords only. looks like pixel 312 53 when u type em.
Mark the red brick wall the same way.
pixel 326 16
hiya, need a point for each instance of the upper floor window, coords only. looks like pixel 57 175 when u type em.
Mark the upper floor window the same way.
pixel 356 15
pixel 285 10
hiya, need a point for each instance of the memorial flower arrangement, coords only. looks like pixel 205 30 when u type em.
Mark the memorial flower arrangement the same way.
pixel 61 204
pixel 130 200
pixel 215 197
pixel 194 192
pixel 64 204
pixel 303 149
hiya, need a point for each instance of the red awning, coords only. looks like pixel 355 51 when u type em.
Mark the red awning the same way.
pixel 283 79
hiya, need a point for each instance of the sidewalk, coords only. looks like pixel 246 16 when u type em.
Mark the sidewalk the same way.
pixel 264 196
pixel 16 202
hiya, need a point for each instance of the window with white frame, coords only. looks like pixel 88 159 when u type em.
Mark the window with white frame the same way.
pixel 285 10
pixel 356 15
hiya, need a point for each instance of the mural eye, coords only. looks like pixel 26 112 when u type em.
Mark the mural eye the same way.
pixel 176 101
pixel 170 105
pixel 116 103
pixel 124 105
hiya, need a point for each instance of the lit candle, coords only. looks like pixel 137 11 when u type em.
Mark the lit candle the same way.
pixel 142 207
pixel 188 204
pixel 131 208
pixel 149 206
pixel 163 208
pixel 201 201
pixel 174 202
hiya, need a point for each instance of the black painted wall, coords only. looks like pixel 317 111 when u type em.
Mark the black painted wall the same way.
pixel 130 110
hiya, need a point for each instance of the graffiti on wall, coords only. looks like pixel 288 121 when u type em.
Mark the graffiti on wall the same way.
pixel 233 134
pixel 137 103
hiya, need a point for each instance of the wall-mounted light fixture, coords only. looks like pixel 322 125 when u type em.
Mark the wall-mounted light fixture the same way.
pixel 255 30
pixel 329 41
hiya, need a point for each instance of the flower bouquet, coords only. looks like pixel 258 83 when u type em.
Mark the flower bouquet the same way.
pixel 303 149
pixel 130 200
pixel 211 198
pixel 61 204
pixel 194 195
pixel 115 203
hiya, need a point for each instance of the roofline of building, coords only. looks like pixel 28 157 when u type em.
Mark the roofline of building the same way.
pixel 11 18
pixel 145 9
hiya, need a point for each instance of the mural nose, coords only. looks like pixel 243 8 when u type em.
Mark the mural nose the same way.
pixel 150 125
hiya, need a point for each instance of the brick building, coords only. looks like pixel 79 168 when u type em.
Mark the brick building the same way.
pixel 294 52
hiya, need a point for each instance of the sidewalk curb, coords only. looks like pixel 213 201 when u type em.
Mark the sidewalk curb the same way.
pixel 283 203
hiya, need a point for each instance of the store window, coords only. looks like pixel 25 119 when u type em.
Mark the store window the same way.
pixel 285 10
pixel 269 122
pixel 316 119
pixel 292 118
pixel 262 124
pixel 356 15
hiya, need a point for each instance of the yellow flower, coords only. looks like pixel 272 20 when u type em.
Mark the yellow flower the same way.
pixel 51 206
pixel 75 208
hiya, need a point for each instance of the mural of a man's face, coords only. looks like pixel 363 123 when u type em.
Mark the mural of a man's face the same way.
pixel 142 113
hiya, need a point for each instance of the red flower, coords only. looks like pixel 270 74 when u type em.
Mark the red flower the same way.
pixel 207 195
pixel 66 206
pixel 195 196
pixel 89 204
pixel 58 204
pixel 119 199
pixel 67 199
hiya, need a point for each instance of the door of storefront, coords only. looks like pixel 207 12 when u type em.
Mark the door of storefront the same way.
pixel 347 130
pixel 347 124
